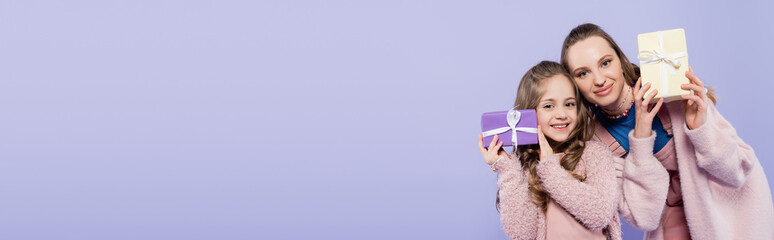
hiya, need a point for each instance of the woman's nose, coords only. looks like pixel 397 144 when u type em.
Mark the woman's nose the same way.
pixel 599 80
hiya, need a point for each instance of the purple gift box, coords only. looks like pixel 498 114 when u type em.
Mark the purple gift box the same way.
pixel 503 124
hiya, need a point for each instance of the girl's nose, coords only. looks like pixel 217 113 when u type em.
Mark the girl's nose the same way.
pixel 561 114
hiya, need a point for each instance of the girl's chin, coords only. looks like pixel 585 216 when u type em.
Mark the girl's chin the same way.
pixel 559 139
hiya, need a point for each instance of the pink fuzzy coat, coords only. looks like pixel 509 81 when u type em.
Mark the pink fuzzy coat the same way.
pixel 593 202
pixel 725 192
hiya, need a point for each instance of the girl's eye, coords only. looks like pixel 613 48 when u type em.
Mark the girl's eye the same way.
pixel 548 106
pixel 582 74
pixel 605 63
pixel 569 104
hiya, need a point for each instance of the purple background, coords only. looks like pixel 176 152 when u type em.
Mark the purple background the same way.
pixel 302 119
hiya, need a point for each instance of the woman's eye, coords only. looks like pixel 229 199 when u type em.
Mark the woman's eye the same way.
pixel 605 63
pixel 583 74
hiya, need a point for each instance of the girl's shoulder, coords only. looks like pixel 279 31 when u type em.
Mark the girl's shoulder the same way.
pixel 595 150
pixel 595 146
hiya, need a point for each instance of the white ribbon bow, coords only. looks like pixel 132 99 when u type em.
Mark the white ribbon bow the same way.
pixel 513 118
pixel 655 56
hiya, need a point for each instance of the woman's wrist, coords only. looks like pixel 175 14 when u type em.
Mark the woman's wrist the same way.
pixel 642 134
pixel 641 131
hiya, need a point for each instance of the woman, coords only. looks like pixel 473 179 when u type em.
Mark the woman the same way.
pixel 717 190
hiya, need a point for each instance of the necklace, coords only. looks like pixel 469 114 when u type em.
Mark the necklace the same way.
pixel 622 114
pixel 625 112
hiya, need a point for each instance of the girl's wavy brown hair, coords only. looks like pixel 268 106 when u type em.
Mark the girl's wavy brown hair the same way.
pixel 528 97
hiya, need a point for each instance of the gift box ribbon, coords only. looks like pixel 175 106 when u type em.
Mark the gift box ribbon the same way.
pixel 656 56
pixel 513 118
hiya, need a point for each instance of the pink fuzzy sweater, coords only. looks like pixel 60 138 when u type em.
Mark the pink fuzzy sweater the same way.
pixel 592 202
pixel 725 192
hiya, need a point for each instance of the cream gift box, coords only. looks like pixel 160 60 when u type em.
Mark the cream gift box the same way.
pixel 663 59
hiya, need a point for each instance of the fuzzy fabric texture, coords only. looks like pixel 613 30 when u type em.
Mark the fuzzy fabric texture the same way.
pixel 643 183
pixel 725 191
pixel 593 202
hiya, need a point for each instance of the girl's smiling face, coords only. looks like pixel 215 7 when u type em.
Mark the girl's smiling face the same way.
pixel 557 113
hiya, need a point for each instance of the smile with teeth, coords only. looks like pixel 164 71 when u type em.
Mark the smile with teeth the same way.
pixel 564 125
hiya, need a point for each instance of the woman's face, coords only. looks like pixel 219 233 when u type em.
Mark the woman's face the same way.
pixel 557 113
pixel 596 69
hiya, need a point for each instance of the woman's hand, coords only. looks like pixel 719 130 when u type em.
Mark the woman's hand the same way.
pixel 494 152
pixel 643 123
pixel 545 148
pixel 696 103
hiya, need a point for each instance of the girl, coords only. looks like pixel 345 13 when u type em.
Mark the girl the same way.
pixel 573 194
pixel 717 190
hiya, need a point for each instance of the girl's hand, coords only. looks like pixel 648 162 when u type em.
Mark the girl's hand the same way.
pixel 494 152
pixel 545 148
pixel 643 123
pixel 696 103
